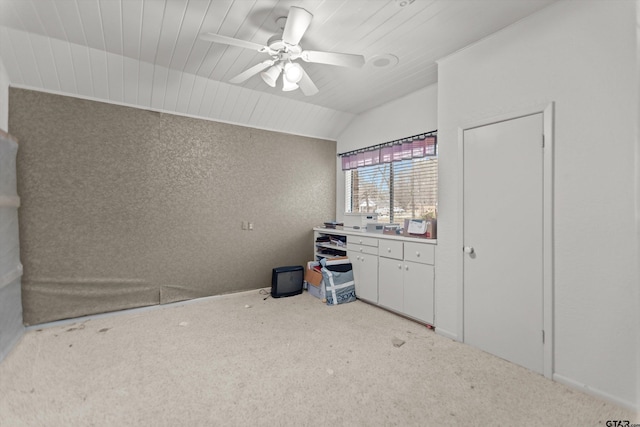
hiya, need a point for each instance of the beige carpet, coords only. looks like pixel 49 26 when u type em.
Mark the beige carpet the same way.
pixel 243 360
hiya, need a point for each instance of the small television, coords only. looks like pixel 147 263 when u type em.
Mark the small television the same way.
pixel 287 281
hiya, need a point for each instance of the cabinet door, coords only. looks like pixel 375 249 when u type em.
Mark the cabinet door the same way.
pixel 418 291
pixel 365 275
pixel 390 283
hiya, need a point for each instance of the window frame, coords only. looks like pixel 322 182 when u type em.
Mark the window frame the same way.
pixel 428 179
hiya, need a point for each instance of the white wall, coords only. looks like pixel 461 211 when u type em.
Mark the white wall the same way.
pixel 410 115
pixel 637 181
pixel 11 327
pixel 4 98
pixel 581 55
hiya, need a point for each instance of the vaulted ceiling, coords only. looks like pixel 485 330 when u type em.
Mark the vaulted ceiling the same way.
pixel 149 53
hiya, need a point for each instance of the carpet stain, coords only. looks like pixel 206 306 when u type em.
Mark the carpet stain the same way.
pixel 104 329
pixel 397 342
pixel 81 326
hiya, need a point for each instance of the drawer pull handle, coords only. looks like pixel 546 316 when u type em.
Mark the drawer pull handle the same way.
pixel 388 249
pixel 400 266
pixel 406 267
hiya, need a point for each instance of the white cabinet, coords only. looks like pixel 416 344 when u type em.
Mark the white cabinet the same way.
pixel 394 272
pixel 365 275
pixel 419 252
pixel 418 291
pixel 391 249
pixel 363 254
pixel 406 280
pixel 364 241
pixel 391 284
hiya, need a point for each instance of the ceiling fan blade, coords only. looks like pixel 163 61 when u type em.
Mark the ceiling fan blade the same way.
pixel 297 23
pixel 333 58
pixel 248 73
pixel 217 38
pixel 306 85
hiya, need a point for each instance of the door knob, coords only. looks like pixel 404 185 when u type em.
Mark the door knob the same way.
pixel 468 250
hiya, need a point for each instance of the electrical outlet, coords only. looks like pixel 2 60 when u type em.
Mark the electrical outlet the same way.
pixel 250 226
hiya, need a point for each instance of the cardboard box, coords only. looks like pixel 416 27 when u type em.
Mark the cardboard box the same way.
pixel 312 276
pixel 430 232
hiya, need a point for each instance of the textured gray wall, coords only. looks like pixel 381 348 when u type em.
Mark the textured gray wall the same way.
pixel 124 207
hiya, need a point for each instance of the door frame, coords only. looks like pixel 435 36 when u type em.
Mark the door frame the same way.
pixel 547 111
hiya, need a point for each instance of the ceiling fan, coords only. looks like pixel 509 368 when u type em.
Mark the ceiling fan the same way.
pixel 284 49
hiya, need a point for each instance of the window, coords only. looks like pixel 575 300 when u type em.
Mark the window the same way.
pixel 395 190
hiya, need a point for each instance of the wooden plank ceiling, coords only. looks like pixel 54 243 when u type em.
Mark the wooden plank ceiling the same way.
pixel 147 53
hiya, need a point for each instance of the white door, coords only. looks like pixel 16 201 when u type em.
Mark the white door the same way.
pixel 503 239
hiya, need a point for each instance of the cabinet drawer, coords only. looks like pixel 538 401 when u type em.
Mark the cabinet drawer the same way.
pixel 419 252
pixel 362 240
pixel 362 249
pixel 390 249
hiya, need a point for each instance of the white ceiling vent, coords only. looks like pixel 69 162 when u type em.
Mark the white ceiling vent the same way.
pixel 385 60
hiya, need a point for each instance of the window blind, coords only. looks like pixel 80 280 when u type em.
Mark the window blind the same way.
pixel 397 188
pixel 395 191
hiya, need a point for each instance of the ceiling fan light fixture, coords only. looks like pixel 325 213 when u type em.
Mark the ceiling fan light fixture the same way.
pixel 284 48
pixel 288 86
pixel 293 72
pixel 270 76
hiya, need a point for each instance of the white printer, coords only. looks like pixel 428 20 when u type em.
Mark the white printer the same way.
pixel 359 220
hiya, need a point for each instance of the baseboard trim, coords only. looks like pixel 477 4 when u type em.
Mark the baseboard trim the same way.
pixel 595 392
pixel 4 352
pixel 65 322
pixel 446 334
pixel 11 276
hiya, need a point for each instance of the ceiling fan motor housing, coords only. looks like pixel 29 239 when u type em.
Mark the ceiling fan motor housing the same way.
pixel 282 49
